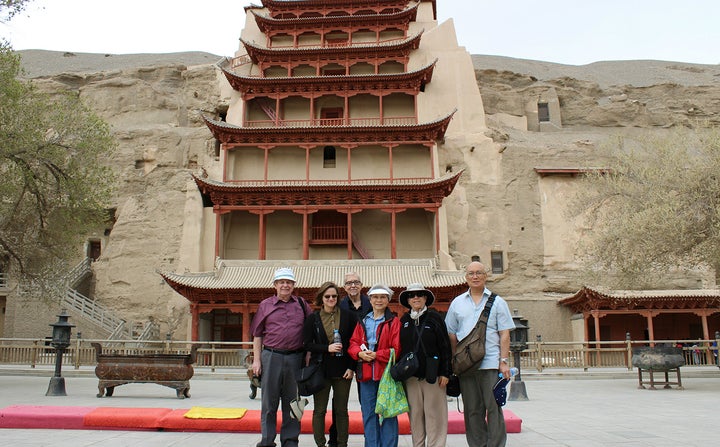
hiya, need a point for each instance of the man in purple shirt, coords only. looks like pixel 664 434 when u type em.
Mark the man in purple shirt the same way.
pixel 277 354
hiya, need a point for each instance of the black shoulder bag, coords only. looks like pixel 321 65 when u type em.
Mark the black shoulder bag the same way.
pixel 408 365
pixel 311 379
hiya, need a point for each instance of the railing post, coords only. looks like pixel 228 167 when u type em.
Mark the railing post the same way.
pixel 212 357
pixel 628 359
pixel 539 355
pixel 33 360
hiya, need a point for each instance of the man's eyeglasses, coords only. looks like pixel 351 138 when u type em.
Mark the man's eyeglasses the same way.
pixel 353 283
pixel 330 296
pixel 417 295
pixel 475 274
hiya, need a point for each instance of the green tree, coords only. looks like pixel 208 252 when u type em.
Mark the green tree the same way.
pixel 10 8
pixel 55 187
pixel 655 209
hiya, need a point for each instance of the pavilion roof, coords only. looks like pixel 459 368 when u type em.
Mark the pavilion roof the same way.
pixel 376 193
pixel 232 279
pixel 587 299
pixel 268 24
pixel 385 50
pixel 424 132
pixel 251 86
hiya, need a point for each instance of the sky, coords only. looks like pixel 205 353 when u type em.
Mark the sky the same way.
pixel 574 32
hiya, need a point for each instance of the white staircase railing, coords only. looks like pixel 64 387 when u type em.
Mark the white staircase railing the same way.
pixel 96 313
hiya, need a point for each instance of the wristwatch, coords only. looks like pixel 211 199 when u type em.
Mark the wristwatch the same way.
pixel 504 360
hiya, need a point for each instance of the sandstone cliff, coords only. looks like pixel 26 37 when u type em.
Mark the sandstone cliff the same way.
pixel 154 104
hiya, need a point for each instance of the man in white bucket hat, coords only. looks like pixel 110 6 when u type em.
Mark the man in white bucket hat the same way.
pixel 277 353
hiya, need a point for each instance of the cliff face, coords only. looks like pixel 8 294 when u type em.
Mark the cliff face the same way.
pixel 154 104
pixel 155 114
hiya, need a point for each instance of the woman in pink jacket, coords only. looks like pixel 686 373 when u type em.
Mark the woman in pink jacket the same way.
pixel 370 345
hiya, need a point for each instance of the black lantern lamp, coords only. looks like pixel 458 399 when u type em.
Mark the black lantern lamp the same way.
pixel 518 343
pixel 60 341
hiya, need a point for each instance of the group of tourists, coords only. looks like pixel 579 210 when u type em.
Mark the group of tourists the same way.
pixel 354 336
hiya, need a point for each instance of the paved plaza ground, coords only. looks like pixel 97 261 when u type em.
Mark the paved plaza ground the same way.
pixel 565 408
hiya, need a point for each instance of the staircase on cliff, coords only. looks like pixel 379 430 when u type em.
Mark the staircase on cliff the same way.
pixel 95 313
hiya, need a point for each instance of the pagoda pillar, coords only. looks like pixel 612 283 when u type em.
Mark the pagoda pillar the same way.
pixel 390 159
pixel 246 323
pixel 262 232
pixel 651 330
pixel 307 160
pixel 393 236
pixel 305 232
pixel 195 325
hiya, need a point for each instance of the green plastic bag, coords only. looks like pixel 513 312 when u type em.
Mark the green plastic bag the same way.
pixel 391 399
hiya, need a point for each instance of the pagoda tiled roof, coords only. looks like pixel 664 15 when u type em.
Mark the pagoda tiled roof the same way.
pixel 425 132
pixel 268 24
pixel 255 86
pixel 333 52
pixel 233 275
pixel 339 4
pixel 410 193
pixel 596 298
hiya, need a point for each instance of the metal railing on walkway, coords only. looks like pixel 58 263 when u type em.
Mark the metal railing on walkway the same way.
pixel 234 355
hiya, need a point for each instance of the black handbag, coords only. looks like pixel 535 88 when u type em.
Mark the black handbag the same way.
pixel 453 386
pixel 404 368
pixel 409 363
pixel 310 379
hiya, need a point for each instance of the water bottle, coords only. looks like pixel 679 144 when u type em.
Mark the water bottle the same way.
pixel 337 339
pixel 513 372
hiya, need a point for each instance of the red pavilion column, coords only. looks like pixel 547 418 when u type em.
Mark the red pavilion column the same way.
pixel 195 326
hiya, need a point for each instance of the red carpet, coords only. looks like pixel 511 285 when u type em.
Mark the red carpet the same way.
pixel 108 418
pixel 35 416
pixel 125 418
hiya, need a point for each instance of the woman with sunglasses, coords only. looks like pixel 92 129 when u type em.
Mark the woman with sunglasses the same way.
pixel 423 332
pixel 336 364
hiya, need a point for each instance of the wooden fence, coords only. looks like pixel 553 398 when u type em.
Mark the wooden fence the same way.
pixel 234 355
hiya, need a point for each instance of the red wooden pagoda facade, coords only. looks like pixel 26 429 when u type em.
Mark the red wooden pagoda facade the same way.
pixel 327 165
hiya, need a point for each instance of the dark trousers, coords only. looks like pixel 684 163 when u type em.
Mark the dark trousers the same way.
pixel 279 387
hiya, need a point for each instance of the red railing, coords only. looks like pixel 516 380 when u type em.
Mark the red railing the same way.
pixel 353 122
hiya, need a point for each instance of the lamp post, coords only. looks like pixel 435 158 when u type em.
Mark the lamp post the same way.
pixel 518 343
pixel 60 341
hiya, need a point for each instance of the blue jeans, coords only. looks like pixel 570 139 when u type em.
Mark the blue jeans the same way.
pixel 376 435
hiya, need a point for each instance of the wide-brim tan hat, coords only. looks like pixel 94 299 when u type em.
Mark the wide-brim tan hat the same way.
pixel 415 289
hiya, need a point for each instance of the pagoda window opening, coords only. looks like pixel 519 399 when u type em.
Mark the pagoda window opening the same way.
pixel 337 14
pixel 329 157
pixel 391 34
pixel 336 38
pixel 275 71
pixel 309 39
pixel 391 67
pixel 497 262
pixel 334 70
pixel 304 70
pixel 310 14
pixel 365 36
pixel 283 40
pixel 362 68
pixel 543 112
pixel 365 12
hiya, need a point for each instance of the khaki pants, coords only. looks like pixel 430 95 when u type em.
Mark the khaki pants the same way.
pixel 428 413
